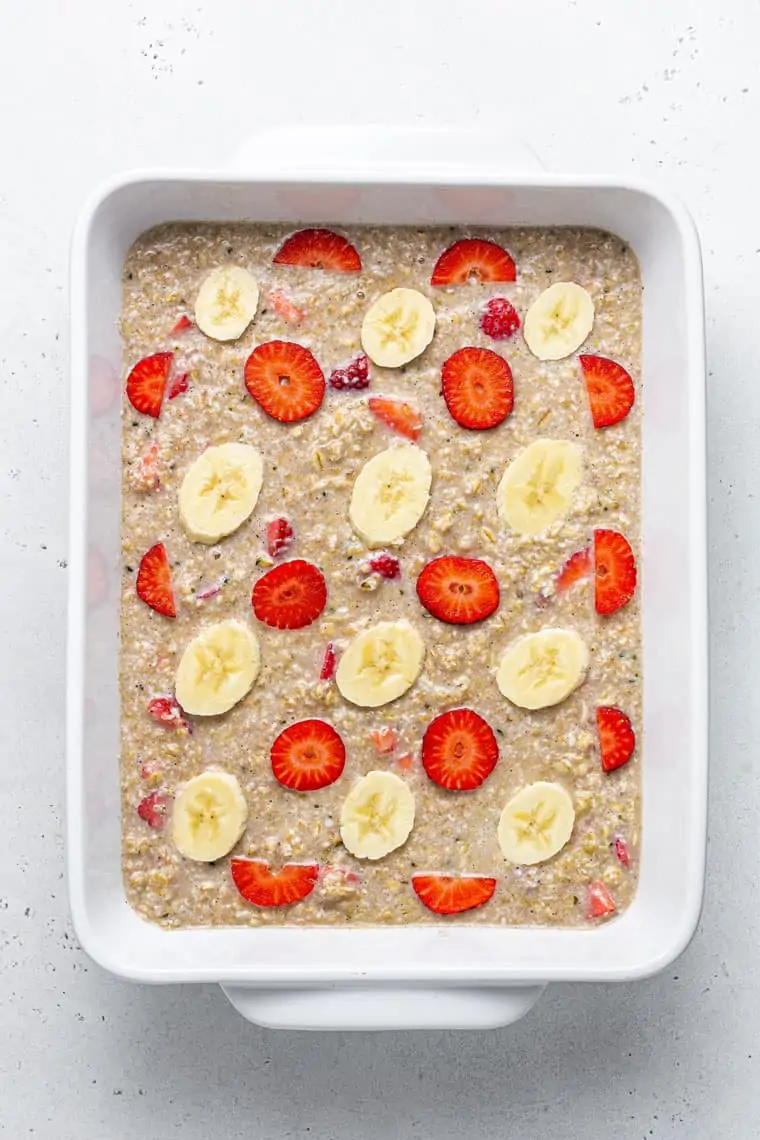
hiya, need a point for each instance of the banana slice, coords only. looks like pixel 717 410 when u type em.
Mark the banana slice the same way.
pixel 398 327
pixel 226 303
pixel 537 488
pixel 377 816
pixel 390 494
pixel 219 491
pixel 217 668
pixel 380 664
pixel 542 669
pixel 558 321
pixel 536 823
pixel 209 816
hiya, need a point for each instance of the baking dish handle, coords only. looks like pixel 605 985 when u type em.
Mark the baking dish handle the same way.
pixel 383 1006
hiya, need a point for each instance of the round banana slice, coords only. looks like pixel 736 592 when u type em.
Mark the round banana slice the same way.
pixel 219 491
pixel 380 664
pixel 217 668
pixel 536 823
pixel 226 303
pixel 390 494
pixel 542 669
pixel 558 321
pixel 537 488
pixel 398 327
pixel 209 816
pixel 377 816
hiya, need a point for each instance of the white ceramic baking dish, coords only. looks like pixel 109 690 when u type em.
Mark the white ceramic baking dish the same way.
pixel 413 976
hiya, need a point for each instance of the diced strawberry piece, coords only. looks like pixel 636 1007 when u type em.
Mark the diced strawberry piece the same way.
pixel 600 901
pixel 183 324
pixel 473 257
pixel 353 377
pixel 213 588
pixel 285 380
pixel 610 390
pixel 622 852
pixel 280 535
pixel 499 319
pixel 154 581
pixel 179 385
pixel 146 383
pixel 405 762
pixel 262 887
pixel 385 565
pixel 291 596
pixel 478 388
pixel 578 567
pixel 617 739
pixel 329 661
pixel 168 711
pixel 143 474
pixel 97 578
pixel 614 571
pixel 443 894
pixel 153 810
pixel 385 740
pixel 319 249
pixel 398 415
pixel 459 750
pixel 458 590
pixel 308 755
pixel 286 308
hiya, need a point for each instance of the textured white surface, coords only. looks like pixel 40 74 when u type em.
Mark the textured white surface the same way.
pixel 88 89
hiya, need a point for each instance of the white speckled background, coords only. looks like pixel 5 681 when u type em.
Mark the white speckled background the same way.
pixel 669 91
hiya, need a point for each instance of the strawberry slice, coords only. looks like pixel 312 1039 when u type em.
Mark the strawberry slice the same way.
pixel 179 385
pixel 443 894
pixel 262 887
pixel 610 390
pixel 308 755
pixel 168 711
pixel 600 901
pixel 473 257
pixel 622 852
pixel 396 414
pixel 280 535
pixel 183 324
pixel 154 581
pixel 329 661
pixel 614 571
pixel 152 809
pixel 286 308
pixel 499 319
pixel 459 750
pixel 291 596
pixel 617 739
pixel 578 567
pixel 146 383
pixel 478 388
pixel 385 740
pixel 285 380
pixel 458 590
pixel 319 249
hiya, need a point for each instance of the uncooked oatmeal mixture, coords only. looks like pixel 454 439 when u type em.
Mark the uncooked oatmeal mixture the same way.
pixel 380 643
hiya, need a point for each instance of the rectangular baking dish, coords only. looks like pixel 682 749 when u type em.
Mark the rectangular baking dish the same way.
pixel 415 976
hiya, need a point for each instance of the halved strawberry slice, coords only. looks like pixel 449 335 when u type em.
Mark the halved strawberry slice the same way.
pixel 443 894
pixel 617 739
pixel 610 390
pixel 308 755
pixel 458 590
pixel 146 383
pixel 262 887
pixel 279 536
pixel 398 415
pixel 600 901
pixel 285 380
pixel 614 571
pixel 578 567
pixel 459 750
pixel 319 249
pixel 291 596
pixel 154 581
pixel 478 388
pixel 473 257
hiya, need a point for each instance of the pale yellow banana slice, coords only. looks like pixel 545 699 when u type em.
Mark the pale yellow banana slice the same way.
pixel 390 494
pixel 542 669
pixel 536 823
pixel 558 321
pixel 377 816
pixel 219 491
pixel 226 303
pixel 537 488
pixel 217 668
pixel 380 664
pixel 209 816
pixel 398 327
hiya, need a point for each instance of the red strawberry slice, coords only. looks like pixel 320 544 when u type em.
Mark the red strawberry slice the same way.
pixel 285 380
pixel 308 755
pixel 499 319
pixel 319 249
pixel 280 535
pixel 291 596
pixel 443 894
pixel 459 750
pixel 617 739
pixel 179 385
pixel 622 852
pixel 183 324
pixel 578 567
pixel 478 388
pixel 329 661
pixel 396 414
pixel 458 590
pixel 473 257
pixel 600 901
pixel 168 711
pixel 262 887
pixel 614 571
pixel 146 383
pixel 386 566
pixel 154 581
pixel 610 390
pixel 153 810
